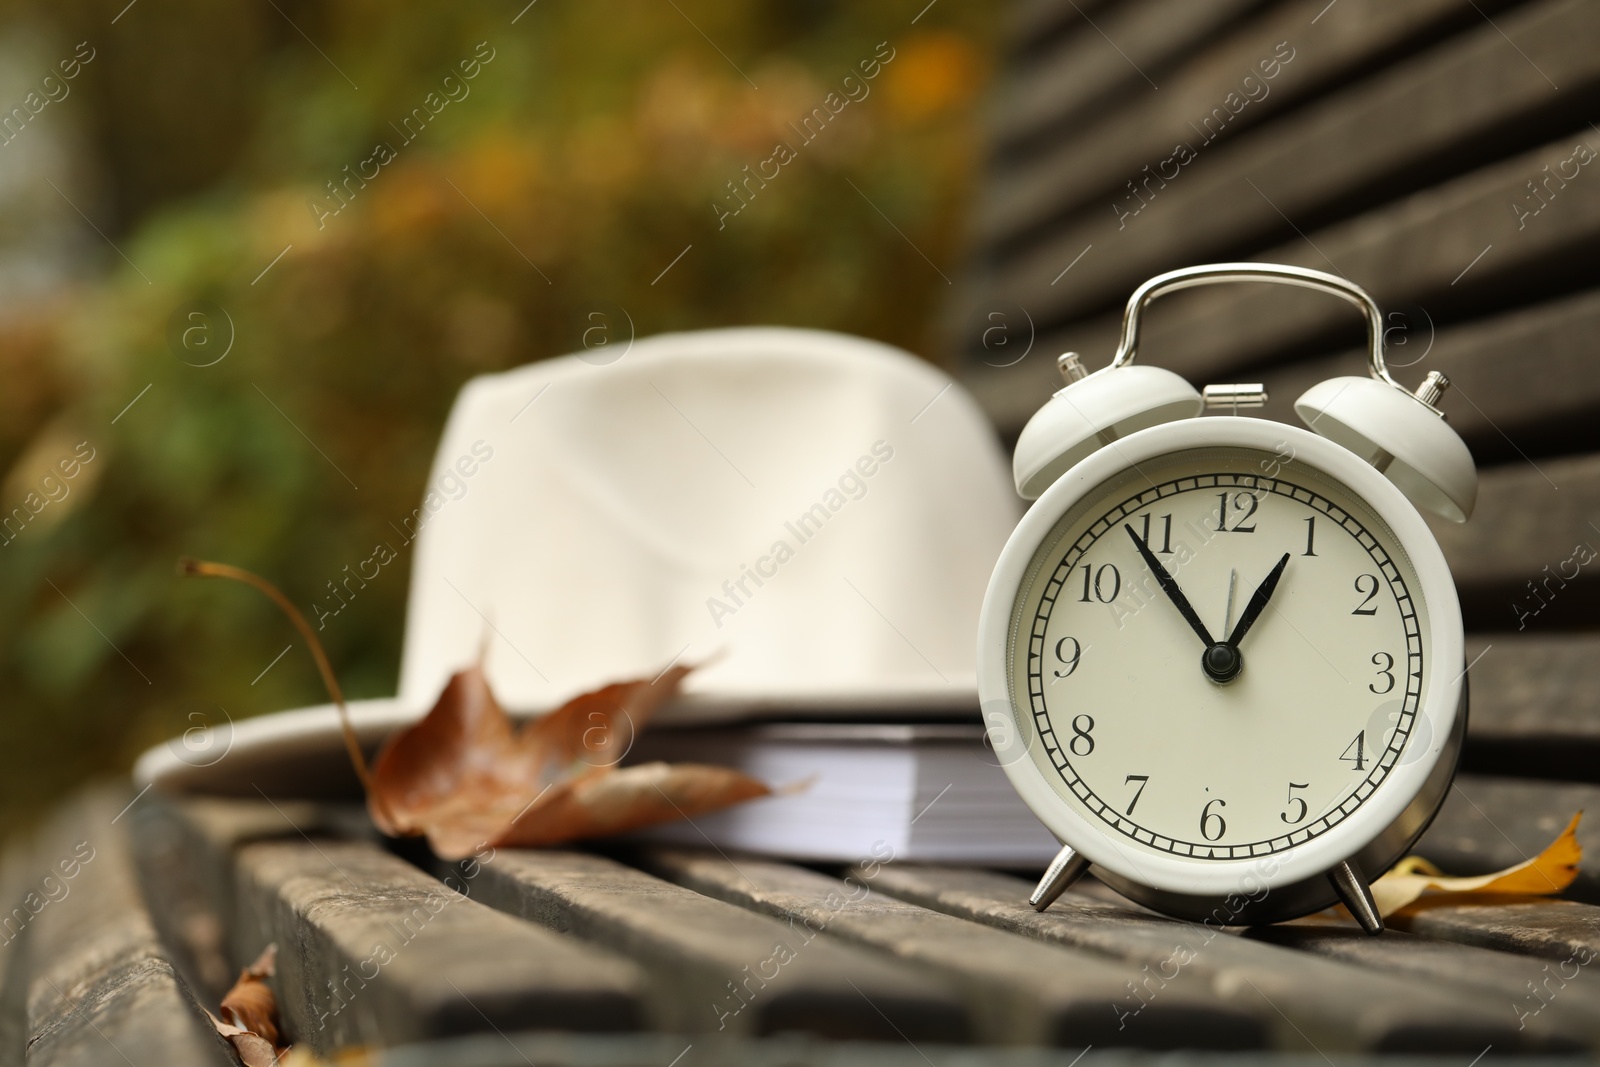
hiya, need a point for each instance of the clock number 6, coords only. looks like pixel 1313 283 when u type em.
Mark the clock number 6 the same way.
pixel 1081 733
pixel 1210 819
pixel 1296 800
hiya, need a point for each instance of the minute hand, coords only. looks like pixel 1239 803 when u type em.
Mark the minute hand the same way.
pixel 1170 587
pixel 1258 602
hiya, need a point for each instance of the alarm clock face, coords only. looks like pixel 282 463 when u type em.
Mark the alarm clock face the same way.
pixel 1304 736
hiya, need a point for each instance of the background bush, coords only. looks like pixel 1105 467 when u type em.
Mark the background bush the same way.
pixel 589 153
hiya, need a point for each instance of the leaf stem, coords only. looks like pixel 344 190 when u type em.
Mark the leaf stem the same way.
pixel 352 744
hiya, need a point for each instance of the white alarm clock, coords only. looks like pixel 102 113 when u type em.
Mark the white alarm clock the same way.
pixel 1222 658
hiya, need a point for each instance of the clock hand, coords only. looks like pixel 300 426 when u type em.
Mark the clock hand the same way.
pixel 1227 616
pixel 1170 587
pixel 1258 602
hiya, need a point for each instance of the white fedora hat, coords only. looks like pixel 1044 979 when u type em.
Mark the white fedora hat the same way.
pixel 814 516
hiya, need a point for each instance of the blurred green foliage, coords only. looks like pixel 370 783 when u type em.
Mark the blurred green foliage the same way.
pixel 589 153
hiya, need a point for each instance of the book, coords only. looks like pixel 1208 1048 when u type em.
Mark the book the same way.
pixel 931 792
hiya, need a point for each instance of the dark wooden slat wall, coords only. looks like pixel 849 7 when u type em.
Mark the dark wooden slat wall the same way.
pixel 1443 156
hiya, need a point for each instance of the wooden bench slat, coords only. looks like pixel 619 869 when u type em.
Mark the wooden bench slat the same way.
pixel 1575 1015
pixel 1324 1004
pixel 184 852
pixel 1535 707
pixel 381 952
pixel 1518 562
pixel 717 967
pixel 1099 158
pixel 655 1050
pixel 1452 248
pixel 1032 24
pixel 1047 92
pixel 1558 930
pixel 1459 97
pixel 1488 824
pixel 1021 991
pixel 99 986
pixel 1522 383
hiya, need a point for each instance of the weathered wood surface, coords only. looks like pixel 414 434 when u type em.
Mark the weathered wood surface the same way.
pixel 1320 1004
pixel 1556 930
pixel 1020 992
pixel 1109 56
pixel 377 952
pixel 1456 248
pixel 1522 383
pixel 184 855
pixel 1529 559
pixel 96 985
pixel 717 967
pixel 1096 160
pixel 555 1050
pixel 1488 824
pixel 1461 99
pixel 1516 978
pixel 1535 707
pixel 1034 25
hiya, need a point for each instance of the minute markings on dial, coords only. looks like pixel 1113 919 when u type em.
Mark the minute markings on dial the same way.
pixel 1382 754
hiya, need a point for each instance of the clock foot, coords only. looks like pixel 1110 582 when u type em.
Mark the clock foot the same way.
pixel 1351 885
pixel 1065 869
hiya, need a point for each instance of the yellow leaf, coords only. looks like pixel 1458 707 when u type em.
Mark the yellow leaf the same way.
pixel 1547 874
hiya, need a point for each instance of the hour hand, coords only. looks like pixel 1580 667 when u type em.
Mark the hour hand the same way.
pixel 1170 587
pixel 1258 602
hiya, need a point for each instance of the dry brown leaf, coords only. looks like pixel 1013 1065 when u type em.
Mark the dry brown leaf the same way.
pixel 466 777
pixel 1548 873
pixel 250 1013
pixel 605 803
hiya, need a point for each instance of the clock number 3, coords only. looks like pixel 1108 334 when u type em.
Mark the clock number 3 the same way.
pixel 1384 662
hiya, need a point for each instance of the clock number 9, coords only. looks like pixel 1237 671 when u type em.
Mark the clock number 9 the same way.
pixel 1081 727
pixel 1070 664
pixel 1210 820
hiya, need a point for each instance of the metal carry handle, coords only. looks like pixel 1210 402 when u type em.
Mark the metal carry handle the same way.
pixel 1213 273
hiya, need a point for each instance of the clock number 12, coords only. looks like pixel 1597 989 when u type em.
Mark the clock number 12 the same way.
pixel 1246 502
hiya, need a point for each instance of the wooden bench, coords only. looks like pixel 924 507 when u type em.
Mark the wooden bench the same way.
pixel 642 956
pixel 1391 147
